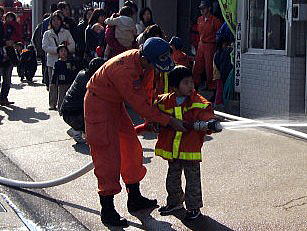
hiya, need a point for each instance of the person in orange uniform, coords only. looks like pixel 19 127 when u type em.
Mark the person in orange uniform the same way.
pixel 208 25
pixel 179 57
pixel 114 146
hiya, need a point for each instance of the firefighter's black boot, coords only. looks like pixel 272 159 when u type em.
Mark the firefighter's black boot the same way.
pixel 109 216
pixel 136 201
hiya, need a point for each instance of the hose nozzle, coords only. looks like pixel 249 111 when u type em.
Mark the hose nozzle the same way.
pixel 213 125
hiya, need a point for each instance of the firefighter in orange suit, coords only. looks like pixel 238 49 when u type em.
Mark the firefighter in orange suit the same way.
pixel 208 25
pixel 114 146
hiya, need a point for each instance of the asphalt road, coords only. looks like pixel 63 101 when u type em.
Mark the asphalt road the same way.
pixel 252 179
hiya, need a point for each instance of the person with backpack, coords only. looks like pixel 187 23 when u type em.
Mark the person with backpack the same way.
pixel 125 29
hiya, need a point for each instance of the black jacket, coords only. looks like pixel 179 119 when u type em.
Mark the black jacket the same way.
pixel 222 60
pixel 80 42
pixel 28 60
pixel 64 72
pixel 37 41
pixel 93 40
pixel 73 100
pixel 1 34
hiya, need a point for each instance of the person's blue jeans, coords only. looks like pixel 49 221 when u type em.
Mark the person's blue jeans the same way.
pixel 6 74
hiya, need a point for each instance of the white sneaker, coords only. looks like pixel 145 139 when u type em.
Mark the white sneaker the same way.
pixel 76 135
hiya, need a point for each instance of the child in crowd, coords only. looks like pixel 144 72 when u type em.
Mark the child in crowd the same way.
pixel 183 150
pixel 65 72
pixel 125 29
pixel 179 57
pixel 18 49
pixel 28 63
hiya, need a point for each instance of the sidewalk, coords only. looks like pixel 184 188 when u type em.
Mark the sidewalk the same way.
pixel 252 179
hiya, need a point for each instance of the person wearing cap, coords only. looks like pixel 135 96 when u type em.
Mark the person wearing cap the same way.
pixel 208 25
pixel 113 142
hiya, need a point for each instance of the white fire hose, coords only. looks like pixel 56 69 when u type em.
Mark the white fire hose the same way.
pixel 90 166
pixel 50 183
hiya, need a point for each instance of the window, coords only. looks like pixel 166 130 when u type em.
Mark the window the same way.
pixel 267 24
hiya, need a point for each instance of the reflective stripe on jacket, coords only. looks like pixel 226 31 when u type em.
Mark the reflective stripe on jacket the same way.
pixel 178 145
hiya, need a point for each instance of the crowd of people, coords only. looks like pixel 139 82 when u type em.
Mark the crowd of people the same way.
pixel 92 67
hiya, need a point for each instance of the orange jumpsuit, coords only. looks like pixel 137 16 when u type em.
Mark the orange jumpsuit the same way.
pixel 206 48
pixel 113 142
pixel 181 58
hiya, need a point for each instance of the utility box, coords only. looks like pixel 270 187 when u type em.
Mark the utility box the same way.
pixel 299 12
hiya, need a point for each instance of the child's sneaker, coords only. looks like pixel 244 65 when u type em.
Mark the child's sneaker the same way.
pixel 168 209
pixel 192 214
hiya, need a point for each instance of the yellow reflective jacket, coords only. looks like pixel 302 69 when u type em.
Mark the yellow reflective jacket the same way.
pixel 178 145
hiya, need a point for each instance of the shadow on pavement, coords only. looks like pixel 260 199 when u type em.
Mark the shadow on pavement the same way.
pixel 39 195
pixel 26 115
pixel 201 223
pixel 150 223
pixel 82 148
pixel 1 118
pixel 18 86
pixel 35 84
pixel 76 206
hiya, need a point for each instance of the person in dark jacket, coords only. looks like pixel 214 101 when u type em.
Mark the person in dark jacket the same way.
pixel 1 27
pixel 8 59
pixel 98 16
pixel 37 39
pixel 222 64
pixel 72 108
pixel 64 74
pixel 18 49
pixel 80 42
pixel 28 63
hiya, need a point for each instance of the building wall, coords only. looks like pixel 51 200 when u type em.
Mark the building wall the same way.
pixel 273 85
pixel 165 15
pixel 265 85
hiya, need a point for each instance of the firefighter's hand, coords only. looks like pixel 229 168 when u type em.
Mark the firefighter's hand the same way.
pixel 188 125
pixel 177 125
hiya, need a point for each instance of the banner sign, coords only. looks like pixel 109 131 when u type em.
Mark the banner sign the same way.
pixel 229 11
pixel 238 53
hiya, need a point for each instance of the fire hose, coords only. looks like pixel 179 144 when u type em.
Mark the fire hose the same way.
pixel 90 166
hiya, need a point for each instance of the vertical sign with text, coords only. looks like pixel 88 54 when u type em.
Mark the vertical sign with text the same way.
pixel 238 54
